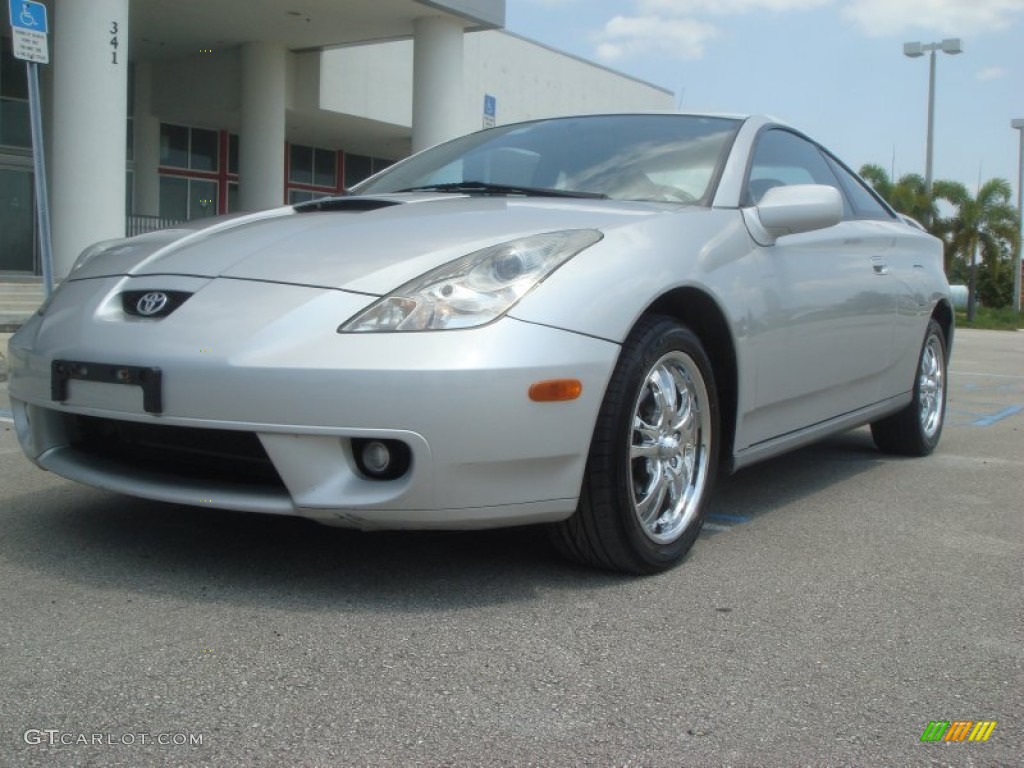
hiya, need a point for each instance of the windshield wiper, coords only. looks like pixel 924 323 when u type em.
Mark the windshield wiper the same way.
pixel 507 189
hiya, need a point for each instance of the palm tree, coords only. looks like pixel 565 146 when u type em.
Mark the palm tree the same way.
pixel 908 195
pixel 984 226
pixel 878 177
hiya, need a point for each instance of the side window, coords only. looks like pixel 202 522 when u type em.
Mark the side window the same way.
pixel 781 159
pixel 865 204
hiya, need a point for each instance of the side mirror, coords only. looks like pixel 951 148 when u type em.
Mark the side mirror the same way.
pixel 790 210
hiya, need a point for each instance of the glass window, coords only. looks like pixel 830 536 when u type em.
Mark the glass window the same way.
pixel 300 166
pixel 202 198
pixel 312 166
pixel 182 199
pixel 17 222
pixel 233 199
pixel 173 146
pixel 233 153
pixel 203 156
pixel 299 196
pixel 782 158
pixel 15 126
pixel 672 158
pixel 15 123
pixel 865 204
pixel 192 148
pixel 325 168
pixel 13 80
pixel 173 198
pixel 357 168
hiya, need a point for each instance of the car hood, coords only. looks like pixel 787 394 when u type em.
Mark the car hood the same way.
pixel 365 244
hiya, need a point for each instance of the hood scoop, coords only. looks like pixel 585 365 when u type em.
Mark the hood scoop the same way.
pixel 344 204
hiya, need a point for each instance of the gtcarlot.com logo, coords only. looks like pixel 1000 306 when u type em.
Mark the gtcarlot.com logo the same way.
pixel 958 730
pixel 54 737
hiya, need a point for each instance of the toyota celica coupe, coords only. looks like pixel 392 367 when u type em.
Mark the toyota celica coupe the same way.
pixel 574 322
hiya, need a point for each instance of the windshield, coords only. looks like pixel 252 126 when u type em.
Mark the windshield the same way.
pixel 672 158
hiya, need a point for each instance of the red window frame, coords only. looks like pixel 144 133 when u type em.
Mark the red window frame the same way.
pixel 222 176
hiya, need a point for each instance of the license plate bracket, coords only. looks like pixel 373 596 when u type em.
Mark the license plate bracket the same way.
pixel 149 378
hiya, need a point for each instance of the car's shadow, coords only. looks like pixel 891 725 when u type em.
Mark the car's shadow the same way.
pixel 109 541
pixel 764 487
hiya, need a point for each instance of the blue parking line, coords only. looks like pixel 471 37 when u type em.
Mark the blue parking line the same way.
pixel 715 528
pixel 988 421
pixel 728 518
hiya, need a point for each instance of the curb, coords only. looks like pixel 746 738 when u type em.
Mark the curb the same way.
pixel 10 322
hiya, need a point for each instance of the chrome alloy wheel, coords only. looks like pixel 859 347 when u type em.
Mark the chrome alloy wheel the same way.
pixel 668 452
pixel 930 384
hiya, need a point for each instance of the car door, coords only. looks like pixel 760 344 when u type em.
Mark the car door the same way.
pixel 826 333
pixel 906 262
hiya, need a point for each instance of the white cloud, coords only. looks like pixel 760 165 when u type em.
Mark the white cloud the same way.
pixel 892 18
pixel 720 7
pixel 625 36
pixel 991 73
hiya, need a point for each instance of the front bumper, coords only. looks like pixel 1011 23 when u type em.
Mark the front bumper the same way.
pixel 483 454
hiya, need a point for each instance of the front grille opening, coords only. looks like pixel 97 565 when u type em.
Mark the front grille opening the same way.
pixel 186 452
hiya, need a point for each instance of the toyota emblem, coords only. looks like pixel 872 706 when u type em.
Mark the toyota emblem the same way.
pixel 151 303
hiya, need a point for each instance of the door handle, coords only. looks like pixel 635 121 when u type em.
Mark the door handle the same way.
pixel 879 265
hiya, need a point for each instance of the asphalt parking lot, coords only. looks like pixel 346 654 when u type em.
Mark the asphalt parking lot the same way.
pixel 837 603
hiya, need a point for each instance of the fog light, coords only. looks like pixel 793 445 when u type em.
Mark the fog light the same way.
pixel 376 457
pixel 381 459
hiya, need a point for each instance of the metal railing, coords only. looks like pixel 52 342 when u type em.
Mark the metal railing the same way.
pixel 139 225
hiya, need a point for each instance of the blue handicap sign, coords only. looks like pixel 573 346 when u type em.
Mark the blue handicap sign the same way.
pixel 490 105
pixel 28 15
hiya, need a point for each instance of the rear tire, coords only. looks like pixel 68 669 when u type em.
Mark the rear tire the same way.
pixel 653 456
pixel 915 430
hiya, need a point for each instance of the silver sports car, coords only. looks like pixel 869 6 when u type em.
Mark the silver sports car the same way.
pixel 576 321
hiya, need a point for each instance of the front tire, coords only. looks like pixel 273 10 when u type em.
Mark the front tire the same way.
pixel 653 456
pixel 915 430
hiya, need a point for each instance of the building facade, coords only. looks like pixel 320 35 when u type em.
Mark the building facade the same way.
pixel 158 112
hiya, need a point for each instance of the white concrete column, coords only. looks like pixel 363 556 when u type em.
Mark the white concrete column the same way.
pixel 90 98
pixel 146 143
pixel 261 141
pixel 436 81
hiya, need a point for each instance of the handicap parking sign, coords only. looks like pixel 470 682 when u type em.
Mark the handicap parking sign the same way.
pixel 490 110
pixel 28 31
pixel 27 14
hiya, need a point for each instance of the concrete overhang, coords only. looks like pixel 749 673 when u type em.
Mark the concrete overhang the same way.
pixel 162 29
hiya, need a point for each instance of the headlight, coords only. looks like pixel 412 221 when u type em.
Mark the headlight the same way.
pixel 475 289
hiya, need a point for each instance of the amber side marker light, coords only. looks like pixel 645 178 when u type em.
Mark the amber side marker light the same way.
pixel 556 390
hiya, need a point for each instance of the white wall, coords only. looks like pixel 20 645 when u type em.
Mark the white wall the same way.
pixel 529 81
pixel 532 81
pixel 371 81
pixel 374 82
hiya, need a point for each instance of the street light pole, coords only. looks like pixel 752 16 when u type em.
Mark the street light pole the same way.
pixel 1019 126
pixel 951 46
pixel 929 156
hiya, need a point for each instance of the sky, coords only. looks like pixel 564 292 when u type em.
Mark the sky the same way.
pixel 834 69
